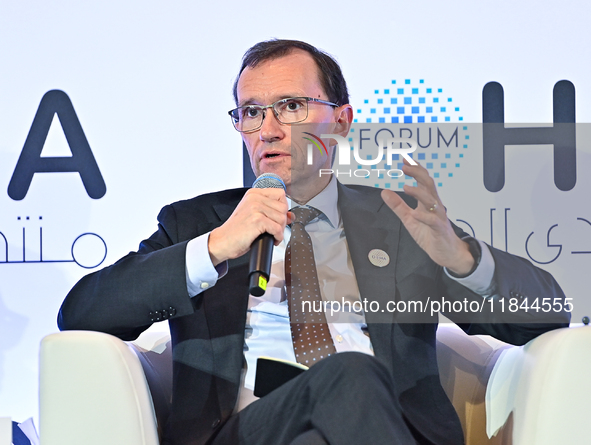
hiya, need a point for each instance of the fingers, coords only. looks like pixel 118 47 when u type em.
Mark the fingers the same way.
pixel 426 199
pixel 428 223
pixel 266 212
pixel 260 211
pixel 396 203
pixel 420 174
pixel 425 191
pixel 270 203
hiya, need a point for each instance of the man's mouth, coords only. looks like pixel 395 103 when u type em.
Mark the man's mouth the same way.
pixel 273 154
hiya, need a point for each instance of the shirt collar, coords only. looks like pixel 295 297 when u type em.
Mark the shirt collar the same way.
pixel 326 202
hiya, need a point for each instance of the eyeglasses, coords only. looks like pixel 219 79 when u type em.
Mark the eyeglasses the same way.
pixel 287 111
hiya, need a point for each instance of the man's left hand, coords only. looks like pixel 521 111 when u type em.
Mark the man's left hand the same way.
pixel 428 223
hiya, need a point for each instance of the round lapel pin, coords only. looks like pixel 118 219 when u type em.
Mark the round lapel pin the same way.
pixel 378 258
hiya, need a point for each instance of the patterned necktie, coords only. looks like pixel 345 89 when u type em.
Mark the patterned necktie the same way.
pixel 309 330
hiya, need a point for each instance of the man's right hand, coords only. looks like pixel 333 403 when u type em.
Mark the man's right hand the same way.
pixel 260 211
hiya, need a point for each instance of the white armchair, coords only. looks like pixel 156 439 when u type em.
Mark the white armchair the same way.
pixel 97 390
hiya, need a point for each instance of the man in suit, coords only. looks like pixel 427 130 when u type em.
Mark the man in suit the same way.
pixel 383 385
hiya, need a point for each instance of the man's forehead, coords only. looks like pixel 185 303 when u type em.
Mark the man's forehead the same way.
pixel 291 75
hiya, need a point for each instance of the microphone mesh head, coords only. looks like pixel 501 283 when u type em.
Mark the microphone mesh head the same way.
pixel 268 180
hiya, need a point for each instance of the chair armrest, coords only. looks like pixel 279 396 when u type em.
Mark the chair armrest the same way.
pixel 552 388
pixel 93 391
pixel 465 365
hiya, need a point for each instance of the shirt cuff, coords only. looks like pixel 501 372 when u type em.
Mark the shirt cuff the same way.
pixel 199 270
pixel 481 279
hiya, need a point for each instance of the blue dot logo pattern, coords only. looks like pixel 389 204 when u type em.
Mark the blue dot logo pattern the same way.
pixel 412 102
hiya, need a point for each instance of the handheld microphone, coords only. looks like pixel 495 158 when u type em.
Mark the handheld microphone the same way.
pixel 261 251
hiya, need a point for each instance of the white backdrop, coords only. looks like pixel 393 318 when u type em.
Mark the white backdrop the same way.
pixel 151 84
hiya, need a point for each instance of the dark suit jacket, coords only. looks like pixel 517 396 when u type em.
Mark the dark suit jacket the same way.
pixel 208 331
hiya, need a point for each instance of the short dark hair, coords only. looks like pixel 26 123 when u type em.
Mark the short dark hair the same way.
pixel 331 77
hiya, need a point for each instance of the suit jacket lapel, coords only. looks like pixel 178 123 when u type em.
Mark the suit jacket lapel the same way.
pixel 370 224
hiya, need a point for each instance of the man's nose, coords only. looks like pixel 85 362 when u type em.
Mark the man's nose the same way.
pixel 271 129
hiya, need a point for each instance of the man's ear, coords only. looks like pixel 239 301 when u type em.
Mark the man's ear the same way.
pixel 344 117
